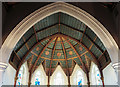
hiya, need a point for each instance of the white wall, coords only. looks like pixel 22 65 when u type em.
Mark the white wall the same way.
pixel 9 75
pixel 109 74
pixel 73 76
pixel 44 79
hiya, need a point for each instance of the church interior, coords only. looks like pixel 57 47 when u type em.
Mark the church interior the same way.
pixel 60 43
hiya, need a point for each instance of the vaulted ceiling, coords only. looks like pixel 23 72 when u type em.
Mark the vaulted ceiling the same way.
pixel 59 39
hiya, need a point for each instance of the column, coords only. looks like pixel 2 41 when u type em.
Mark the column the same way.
pixel 29 82
pixel 102 77
pixel 3 66
pixel 116 66
pixel 88 80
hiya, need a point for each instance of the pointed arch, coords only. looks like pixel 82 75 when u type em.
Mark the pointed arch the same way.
pixel 77 75
pixel 45 11
pixel 41 75
pixel 58 77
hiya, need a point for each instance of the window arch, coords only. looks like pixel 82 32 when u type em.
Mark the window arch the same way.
pixel 37 78
pixel 20 75
pixel 58 77
pixel 95 75
pixel 78 77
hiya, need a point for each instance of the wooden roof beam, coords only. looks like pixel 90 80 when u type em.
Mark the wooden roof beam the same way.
pixel 25 43
pixel 83 34
pixel 35 33
pixel 68 73
pixel 52 55
pixel 16 55
pixel 83 65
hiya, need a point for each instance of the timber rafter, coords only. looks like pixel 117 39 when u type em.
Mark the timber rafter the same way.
pixel 83 65
pixel 68 73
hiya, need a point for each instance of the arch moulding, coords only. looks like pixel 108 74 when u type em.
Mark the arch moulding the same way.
pixel 45 11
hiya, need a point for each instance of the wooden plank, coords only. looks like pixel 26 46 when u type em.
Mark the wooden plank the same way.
pixel 59 23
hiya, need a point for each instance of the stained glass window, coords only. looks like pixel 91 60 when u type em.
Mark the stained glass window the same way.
pixel 79 78
pixel 96 77
pixel 58 80
pixel 37 78
pixel 20 76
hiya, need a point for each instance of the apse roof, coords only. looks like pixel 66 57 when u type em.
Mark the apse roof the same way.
pixel 59 39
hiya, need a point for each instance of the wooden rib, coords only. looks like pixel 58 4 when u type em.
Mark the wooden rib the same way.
pixel 34 53
pixel 17 56
pixel 68 74
pixel 35 34
pixel 52 55
pixel 94 58
pixel 102 54
pixel 83 65
pixel 25 43
pixel 41 53
pixel 87 63
pixel 92 43
pixel 31 61
pixel 64 59
pixel 65 56
pixel 84 34
pixel 38 66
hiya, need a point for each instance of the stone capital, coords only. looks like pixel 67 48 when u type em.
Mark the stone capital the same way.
pixel 116 66
pixel 3 66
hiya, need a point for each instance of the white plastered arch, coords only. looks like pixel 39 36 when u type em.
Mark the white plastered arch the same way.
pixel 45 11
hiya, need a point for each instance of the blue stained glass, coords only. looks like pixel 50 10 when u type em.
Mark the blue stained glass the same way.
pixel 97 74
pixel 37 82
pixel 80 83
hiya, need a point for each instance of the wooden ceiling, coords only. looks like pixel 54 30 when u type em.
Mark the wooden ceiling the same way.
pixel 59 39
